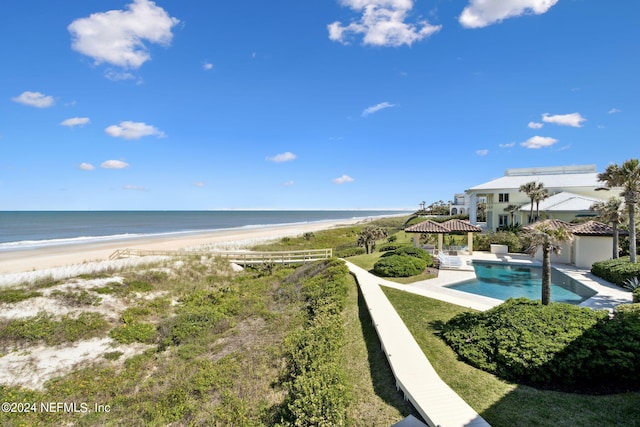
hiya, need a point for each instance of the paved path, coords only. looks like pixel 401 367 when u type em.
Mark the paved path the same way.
pixel 436 402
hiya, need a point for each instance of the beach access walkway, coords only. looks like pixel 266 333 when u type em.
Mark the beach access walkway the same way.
pixel 434 400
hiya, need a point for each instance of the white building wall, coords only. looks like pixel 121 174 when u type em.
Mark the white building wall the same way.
pixel 590 249
pixel 564 257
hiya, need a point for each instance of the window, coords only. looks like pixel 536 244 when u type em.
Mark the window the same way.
pixel 503 197
pixel 503 220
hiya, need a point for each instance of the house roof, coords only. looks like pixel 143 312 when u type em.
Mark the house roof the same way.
pixel 451 226
pixel 594 228
pixel 554 224
pixel 552 177
pixel 564 201
pixel 589 228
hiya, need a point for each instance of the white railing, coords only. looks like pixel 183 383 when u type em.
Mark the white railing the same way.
pixel 238 257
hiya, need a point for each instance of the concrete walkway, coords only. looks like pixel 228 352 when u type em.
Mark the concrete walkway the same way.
pixel 436 402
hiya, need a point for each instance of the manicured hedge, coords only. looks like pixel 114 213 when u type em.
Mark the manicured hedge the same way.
pixel 483 242
pixel 346 251
pixel 616 270
pixel 317 389
pixel 558 346
pixel 399 266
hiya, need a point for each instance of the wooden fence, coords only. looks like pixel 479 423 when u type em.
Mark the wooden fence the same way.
pixel 238 257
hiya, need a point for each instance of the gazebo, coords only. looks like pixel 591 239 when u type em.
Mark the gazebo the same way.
pixel 455 226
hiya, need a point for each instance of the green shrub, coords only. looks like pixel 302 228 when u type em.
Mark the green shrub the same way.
pixel 317 391
pixel 44 327
pixel 618 271
pixel 11 296
pixel 346 252
pixel 555 346
pixel 399 266
pixel 134 332
pixel 636 295
pixel 415 252
pixel 483 242
pixel 388 247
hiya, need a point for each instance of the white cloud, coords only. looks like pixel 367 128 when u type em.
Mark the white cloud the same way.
pixel 509 145
pixel 481 13
pixel 118 75
pixel 535 125
pixel 207 66
pixel 288 183
pixel 539 142
pixel 282 157
pixel 382 23
pixel 75 121
pixel 133 187
pixel 133 130
pixel 34 99
pixel 199 184
pixel 573 119
pixel 343 179
pixel 114 164
pixel 376 108
pixel 614 111
pixel 483 152
pixel 86 167
pixel 118 36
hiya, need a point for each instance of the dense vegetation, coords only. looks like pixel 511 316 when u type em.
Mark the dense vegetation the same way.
pixel 404 261
pixel 258 347
pixel 500 402
pixel 618 270
pixel 559 346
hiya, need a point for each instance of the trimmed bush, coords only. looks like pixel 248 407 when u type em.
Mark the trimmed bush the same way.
pixel 636 295
pixel 483 242
pixel 388 247
pixel 616 270
pixel 317 389
pixel 558 346
pixel 399 266
pixel 346 251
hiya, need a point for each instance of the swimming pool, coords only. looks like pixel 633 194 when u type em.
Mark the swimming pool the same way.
pixel 503 281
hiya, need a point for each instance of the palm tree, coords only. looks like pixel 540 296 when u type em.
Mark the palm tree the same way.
pixel 626 176
pixel 544 235
pixel 512 210
pixel 539 195
pixel 531 189
pixel 610 212
pixel 369 235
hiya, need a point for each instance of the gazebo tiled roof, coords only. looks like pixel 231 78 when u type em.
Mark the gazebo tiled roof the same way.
pixel 427 226
pixel 594 228
pixel 458 225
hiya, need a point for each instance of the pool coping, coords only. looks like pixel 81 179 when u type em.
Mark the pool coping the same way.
pixel 607 297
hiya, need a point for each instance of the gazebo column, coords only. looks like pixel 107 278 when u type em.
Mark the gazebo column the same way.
pixel 416 240
pixel 470 243
pixel 473 209
pixel 440 241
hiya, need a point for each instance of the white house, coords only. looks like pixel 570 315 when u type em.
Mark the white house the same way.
pixel 572 190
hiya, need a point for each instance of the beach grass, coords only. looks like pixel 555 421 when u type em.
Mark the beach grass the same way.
pixel 499 402
pixel 214 341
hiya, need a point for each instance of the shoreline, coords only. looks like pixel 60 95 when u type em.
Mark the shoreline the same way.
pixel 53 256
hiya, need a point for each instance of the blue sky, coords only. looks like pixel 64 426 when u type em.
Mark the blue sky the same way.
pixel 333 104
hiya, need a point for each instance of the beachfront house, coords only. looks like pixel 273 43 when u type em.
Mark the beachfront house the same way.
pixel 572 191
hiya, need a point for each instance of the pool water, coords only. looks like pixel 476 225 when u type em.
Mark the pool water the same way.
pixel 504 281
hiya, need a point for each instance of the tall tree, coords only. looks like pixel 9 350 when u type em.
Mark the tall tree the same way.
pixel 512 210
pixel 539 195
pixel 610 212
pixel 369 235
pixel 544 235
pixel 626 176
pixel 530 189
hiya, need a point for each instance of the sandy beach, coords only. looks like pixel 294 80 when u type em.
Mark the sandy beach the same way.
pixel 50 257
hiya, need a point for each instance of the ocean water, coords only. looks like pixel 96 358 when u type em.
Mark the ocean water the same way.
pixel 30 229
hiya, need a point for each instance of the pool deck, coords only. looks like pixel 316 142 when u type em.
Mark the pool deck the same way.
pixel 608 296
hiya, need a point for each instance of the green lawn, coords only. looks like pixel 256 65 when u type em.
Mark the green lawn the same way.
pixel 499 402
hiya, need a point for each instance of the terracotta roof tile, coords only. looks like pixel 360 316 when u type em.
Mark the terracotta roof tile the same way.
pixel 460 225
pixel 594 228
pixel 427 226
